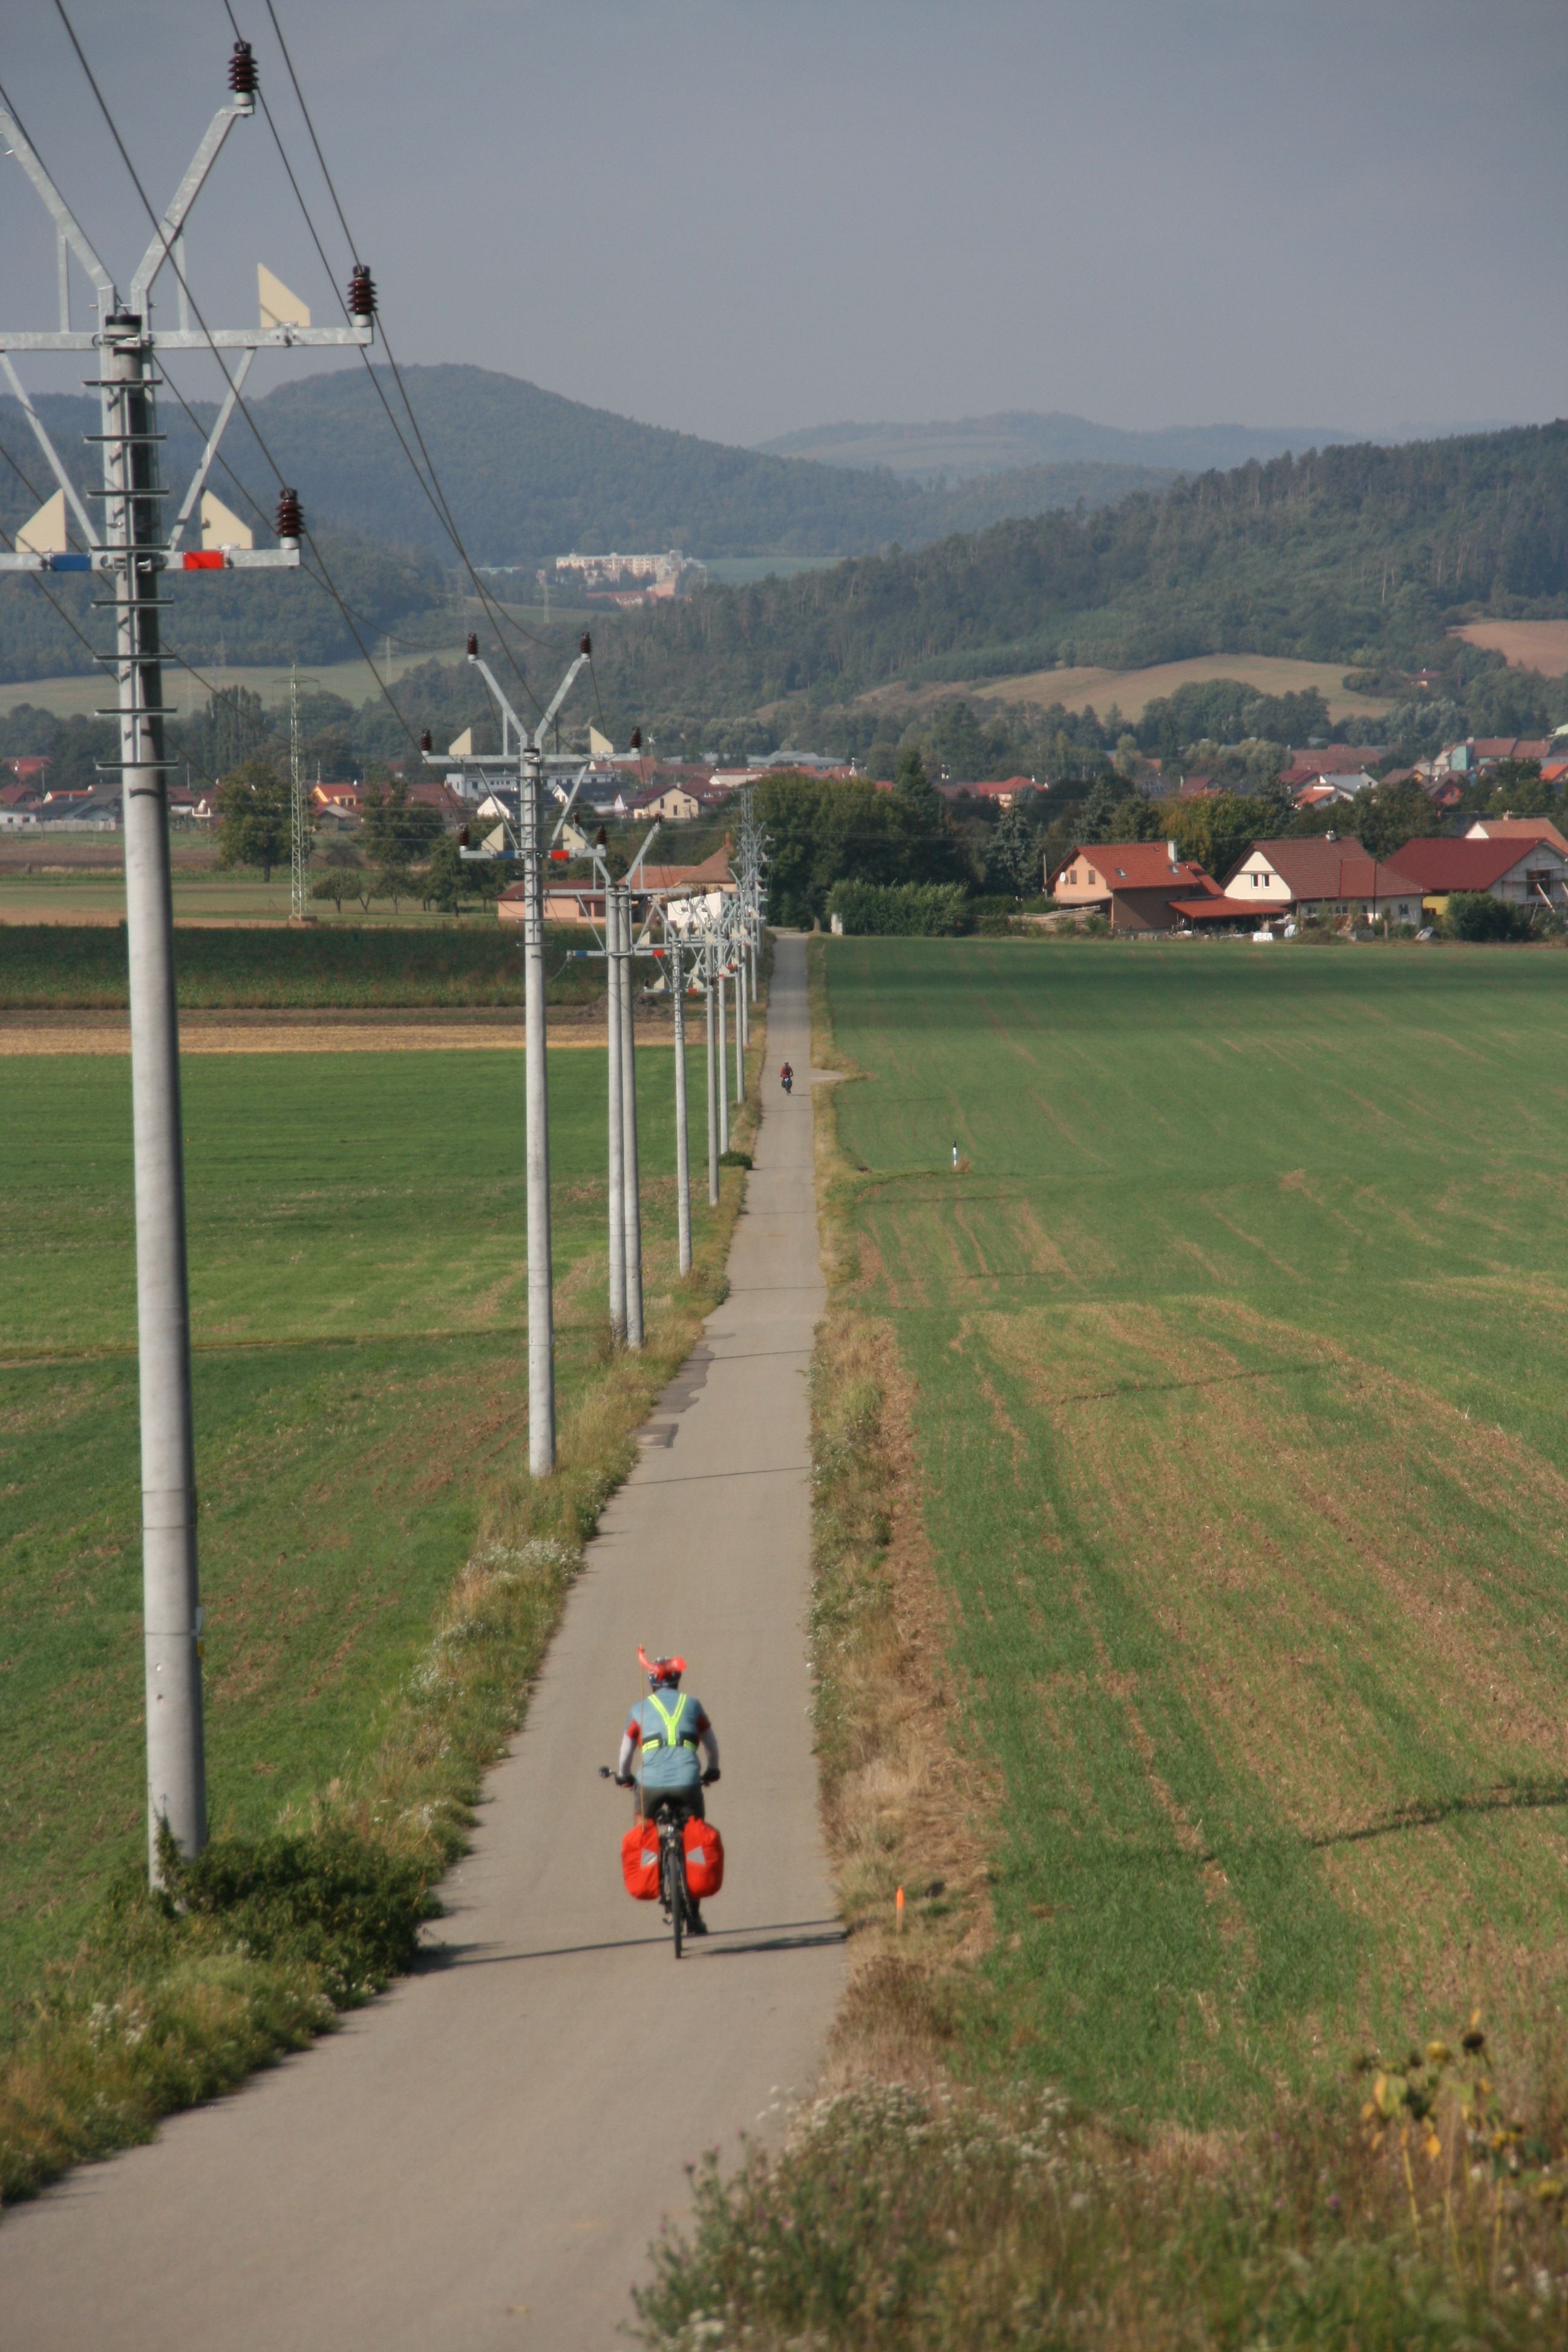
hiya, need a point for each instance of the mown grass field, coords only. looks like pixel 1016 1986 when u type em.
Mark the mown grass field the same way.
pixel 358 1288
pixel 1241 1363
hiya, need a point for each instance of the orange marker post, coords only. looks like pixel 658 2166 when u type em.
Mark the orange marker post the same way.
pixel 898 1909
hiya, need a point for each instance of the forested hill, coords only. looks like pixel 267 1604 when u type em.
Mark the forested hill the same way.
pixel 1359 555
pixel 530 476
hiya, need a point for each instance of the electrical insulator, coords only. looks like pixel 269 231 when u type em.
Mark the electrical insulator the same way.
pixel 242 78
pixel 587 645
pixel 636 738
pixel 462 836
pixel 362 293
pixel 425 741
pixel 473 648
pixel 290 520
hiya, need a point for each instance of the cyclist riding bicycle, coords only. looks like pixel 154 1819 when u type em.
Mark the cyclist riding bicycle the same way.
pixel 786 1078
pixel 664 1734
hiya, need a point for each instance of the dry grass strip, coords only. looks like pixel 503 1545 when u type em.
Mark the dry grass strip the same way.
pixel 902 1805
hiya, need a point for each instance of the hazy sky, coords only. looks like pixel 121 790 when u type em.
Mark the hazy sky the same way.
pixel 739 219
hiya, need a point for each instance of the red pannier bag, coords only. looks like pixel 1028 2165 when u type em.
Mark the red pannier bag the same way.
pixel 639 1861
pixel 704 1860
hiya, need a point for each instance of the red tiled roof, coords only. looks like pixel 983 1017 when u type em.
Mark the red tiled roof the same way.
pixel 1517 828
pixel 1139 866
pixel 1315 869
pixel 1218 909
pixel 1440 865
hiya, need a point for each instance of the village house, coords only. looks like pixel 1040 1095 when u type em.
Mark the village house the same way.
pixel 336 796
pixel 1331 875
pixel 677 803
pixel 1136 884
pixel 28 768
pixel 1324 791
pixel 1524 872
pixel 1326 760
pixel 1512 828
pixel 433 792
pixel 584 902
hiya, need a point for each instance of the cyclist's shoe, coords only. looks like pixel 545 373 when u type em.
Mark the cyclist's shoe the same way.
pixel 696 1924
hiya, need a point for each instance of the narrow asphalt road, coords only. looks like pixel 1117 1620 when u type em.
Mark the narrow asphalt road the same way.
pixel 481 2157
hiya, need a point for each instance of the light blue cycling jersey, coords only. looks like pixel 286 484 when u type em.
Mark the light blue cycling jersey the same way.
pixel 664 1728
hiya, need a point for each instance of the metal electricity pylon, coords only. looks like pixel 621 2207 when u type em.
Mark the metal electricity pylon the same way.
pixel 527 757
pixel 131 549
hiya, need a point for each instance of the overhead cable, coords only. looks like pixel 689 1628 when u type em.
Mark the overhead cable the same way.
pixel 217 355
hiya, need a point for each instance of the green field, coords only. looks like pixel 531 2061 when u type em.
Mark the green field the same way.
pixel 1241 1362
pixel 358 1289
pixel 82 966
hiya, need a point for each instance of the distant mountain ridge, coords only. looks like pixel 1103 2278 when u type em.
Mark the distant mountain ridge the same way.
pixel 530 476
pixel 1022 438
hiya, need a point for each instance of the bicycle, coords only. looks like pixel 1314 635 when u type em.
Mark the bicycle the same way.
pixel 669 1816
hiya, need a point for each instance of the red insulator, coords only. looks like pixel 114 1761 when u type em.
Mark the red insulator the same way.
pixel 290 519
pixel 636 738
pixel 473 648
pixel 425 741
pixel 362 293
pixel 587 645
pixel 242 75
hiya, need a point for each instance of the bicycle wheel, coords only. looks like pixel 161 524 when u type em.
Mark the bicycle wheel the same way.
pixel 677 1889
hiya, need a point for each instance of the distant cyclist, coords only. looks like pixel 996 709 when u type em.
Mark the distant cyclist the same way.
pixel 665 1731
pixel 786 1078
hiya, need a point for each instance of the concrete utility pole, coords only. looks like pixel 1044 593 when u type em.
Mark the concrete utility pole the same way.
pixel 723 1064
pixel 682 1141
pixel 541 1279
pixel 298 813
pixel 129 549
pixel 713 1087
pixel 617 1151
pixel 632 1187
pixel 739 1031
pixel 529 754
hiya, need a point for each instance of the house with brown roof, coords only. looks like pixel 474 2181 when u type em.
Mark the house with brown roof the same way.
pixel 1488 749
pixel 1332 760
pixel 1516 828
pixel 1322 791
pixel 344 796
pixel 1328 876
pixel 1531 872
pixel 582 902
pixel 1135 884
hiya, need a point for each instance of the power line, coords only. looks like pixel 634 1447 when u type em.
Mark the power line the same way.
pixel 431 487
pixel 217 355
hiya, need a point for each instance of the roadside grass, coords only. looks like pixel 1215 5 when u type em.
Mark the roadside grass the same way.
pixel 358 1288
pixel 937 2221
pixel 1155 1550
pixel 66 967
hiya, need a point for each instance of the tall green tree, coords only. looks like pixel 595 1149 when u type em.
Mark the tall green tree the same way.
pixel 397 832
pixel 253 817
pixel 1013 855
pixel 922 832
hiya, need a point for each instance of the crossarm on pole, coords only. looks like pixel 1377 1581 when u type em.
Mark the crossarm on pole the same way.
pixel 184 197
pixel 47 447
pixel 210 452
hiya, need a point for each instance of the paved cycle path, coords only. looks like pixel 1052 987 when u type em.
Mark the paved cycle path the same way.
pixel 481 2157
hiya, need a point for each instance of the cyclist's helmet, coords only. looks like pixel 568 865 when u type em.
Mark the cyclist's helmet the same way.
pixel 660 1670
